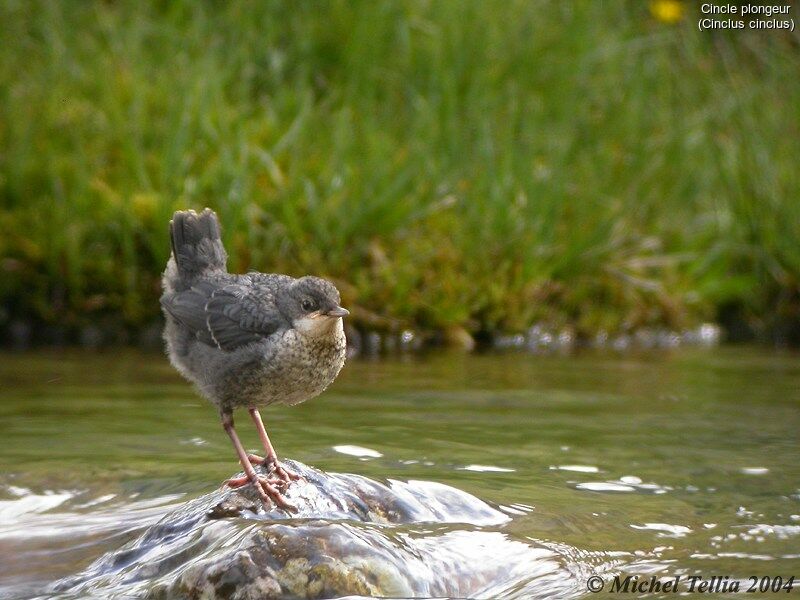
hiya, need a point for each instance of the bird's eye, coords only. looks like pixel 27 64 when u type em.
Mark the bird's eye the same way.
pixel 307 304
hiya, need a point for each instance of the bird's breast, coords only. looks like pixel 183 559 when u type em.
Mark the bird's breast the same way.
pixel 299 367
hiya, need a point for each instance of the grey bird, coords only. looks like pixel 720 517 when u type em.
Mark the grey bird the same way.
pixel 247 340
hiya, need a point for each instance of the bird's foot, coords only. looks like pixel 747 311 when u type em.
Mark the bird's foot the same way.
pixel 266 488
pixel 237 482
pixel 255 460
pixel 284 474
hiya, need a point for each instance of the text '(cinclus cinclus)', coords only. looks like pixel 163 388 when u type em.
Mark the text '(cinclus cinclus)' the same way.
pixel 247 340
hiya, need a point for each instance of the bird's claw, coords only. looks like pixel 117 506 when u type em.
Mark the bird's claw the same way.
pixel 267 490
pixel 269 493
pixel 274 467
pixel 286 475
pixel 237 482
pixel 255 460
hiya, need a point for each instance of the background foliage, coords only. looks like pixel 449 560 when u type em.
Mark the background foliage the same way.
pixel 451 165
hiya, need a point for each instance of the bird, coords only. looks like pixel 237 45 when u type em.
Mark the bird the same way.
pixel 249 340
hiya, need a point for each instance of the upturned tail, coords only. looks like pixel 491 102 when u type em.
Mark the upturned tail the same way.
pixel 196 246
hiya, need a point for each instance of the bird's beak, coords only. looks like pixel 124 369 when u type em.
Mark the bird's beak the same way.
pixel 338 312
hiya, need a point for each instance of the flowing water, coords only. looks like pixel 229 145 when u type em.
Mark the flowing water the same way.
pixel 670 464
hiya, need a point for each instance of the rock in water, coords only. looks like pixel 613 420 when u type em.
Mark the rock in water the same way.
pixel 351 536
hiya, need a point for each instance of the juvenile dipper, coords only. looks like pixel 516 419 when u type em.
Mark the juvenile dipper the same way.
pixel 247 340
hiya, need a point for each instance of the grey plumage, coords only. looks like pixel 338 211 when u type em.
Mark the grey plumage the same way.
pixel 246 340
pixel 234 336
pixel 196 246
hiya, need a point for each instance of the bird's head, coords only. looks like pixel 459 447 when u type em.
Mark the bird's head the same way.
pixel 312 305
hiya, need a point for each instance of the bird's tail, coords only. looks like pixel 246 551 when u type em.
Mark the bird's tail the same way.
pixel 196 245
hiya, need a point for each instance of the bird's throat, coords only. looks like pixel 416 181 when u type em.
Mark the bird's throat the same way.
pixel 317 326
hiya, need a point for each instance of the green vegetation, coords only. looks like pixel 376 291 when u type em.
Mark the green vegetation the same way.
pixel 476 165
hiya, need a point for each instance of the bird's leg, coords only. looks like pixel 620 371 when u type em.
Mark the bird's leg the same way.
pixel 237 482
pixel 256 461
pixel 265 488
pixel 271 459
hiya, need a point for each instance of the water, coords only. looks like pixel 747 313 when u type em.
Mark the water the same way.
pixel 663 463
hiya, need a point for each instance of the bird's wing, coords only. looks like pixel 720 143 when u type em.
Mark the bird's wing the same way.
pixel 224 315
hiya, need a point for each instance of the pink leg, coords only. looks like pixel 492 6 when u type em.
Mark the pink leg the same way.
pixel 255 460
pixel 237 482
pixel 264 487
pixel 271 457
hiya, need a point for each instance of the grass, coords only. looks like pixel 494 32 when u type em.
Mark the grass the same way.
pixel 451 165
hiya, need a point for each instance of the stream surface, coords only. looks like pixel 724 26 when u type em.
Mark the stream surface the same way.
pixel 666 463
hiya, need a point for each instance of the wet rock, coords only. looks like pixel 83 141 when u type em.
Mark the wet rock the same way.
pixel 150 336
pixel 372 343
pixel 351 536
pixel 91 337
pixel 458 337
pixel 20 333
pixel 354 342
pixel 410 341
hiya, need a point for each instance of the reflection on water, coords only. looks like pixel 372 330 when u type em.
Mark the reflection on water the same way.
pixel 653 464
pixel 351 535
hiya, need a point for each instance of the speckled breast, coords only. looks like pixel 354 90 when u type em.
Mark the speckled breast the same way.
pixel 299 368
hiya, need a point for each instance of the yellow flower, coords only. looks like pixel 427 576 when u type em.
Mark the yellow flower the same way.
pixel 667 11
